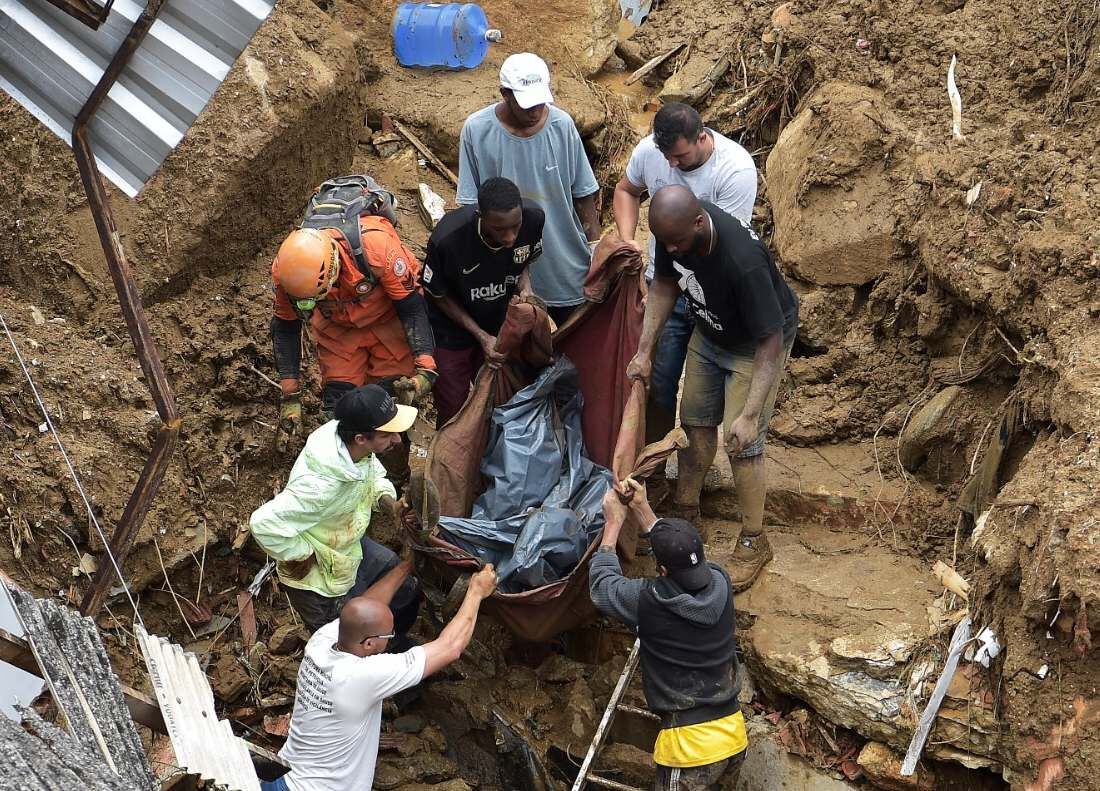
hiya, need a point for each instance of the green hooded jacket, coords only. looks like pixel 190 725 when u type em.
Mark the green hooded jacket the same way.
pixel 324 510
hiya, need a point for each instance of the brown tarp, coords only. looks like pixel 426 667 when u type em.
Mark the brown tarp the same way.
pixel 600 338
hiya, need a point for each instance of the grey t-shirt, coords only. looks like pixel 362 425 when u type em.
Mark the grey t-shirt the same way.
pixel 550 169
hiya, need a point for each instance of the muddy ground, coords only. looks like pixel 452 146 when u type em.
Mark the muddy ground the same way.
pixel 941 404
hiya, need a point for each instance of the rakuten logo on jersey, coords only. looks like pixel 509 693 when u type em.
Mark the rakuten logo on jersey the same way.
pixel 488 293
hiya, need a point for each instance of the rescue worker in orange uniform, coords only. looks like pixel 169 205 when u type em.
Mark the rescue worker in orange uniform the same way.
pixel 367 327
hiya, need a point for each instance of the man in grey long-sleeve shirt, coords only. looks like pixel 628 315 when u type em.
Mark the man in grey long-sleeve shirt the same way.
pixel 685 622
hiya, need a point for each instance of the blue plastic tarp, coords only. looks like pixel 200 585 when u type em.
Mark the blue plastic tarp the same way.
pixel 543 504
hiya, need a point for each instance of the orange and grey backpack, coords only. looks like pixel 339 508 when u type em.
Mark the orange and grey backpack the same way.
pixel 339 203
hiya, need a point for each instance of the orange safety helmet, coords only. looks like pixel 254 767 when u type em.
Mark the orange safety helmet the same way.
pixel 307 264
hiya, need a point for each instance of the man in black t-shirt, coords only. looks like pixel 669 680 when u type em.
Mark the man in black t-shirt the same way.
pixel 746 317
pixel 478 258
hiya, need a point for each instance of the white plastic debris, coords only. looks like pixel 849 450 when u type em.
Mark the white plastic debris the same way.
pixel 43 428
pixel 956 102
pixel 431 205
pixel 972 194
pixel 928 716
pixel 988 647
pixel 1042 673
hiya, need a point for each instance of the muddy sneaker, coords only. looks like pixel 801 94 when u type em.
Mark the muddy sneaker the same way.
pixel 749 559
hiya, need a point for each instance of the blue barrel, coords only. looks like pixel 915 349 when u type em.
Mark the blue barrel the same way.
pixel 454 35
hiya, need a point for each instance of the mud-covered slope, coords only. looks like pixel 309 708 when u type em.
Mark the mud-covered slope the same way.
pixel 968 263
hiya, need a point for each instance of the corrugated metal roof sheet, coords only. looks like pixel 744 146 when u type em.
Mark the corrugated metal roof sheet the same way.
pixel 74 664
pixel 50 62
pixel 204 745
pixel 38 756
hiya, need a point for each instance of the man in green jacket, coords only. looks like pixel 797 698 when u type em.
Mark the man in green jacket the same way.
pixel 316 527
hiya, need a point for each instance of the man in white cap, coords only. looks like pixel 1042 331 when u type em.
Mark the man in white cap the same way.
pixel 525 139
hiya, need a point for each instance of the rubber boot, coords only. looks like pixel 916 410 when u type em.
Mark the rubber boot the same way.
pixel 753 551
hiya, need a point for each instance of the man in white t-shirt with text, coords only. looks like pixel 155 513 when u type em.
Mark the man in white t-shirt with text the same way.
pixel 683 152
pixel 345 675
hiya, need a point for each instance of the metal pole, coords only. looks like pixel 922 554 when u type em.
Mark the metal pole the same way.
pixel 130 301
pixel 87 11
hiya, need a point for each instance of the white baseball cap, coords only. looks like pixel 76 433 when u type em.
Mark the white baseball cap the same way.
pixel 528 77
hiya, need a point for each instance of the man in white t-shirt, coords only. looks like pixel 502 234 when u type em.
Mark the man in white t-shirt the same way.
pixel 344 676
pixel 680 151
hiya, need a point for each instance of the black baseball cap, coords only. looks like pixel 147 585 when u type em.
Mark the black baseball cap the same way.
pixel 371 408
pixel 678 547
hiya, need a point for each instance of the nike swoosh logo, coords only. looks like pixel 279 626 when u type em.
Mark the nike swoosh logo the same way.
pixel 471 269
pixel 551 167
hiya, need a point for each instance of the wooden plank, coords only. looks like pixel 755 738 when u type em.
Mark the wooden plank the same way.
pixel 653 63
pixel 425 152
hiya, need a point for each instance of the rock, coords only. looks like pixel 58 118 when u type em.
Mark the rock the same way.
pixel 631 53
pixel 558 669
pixel 693 81
pixel 636 766
pixel 824 316
pixel 386 144
pixel 598 35
pixel 387 776
pixel 827 184
pixel 924 427
pixel 228 679
pixel 836 628
pixel 409 723
pixel 287 639
pixel 768 766
pixel 580 711
pixel 434 738
pixel 882 767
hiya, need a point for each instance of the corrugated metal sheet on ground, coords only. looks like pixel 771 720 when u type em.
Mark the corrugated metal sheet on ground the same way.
pixel 50 62
pixel 74 663
pixel 204 745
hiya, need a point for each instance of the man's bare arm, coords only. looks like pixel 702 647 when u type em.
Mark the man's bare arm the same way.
pixel 626 206
pixel 589 217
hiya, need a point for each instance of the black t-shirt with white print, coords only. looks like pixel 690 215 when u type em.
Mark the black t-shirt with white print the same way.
pixel 461 266
pixel 736 293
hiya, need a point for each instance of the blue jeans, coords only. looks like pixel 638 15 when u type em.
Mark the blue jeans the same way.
pixel 274 785
pixel 669 356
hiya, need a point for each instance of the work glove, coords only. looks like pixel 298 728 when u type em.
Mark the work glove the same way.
pixel 410 389
pixel 290 420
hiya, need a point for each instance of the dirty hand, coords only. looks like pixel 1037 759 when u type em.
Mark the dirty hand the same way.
pixel 640 367
pixel 493 358
pixel 614 508
pixel 531 298
pixel 633 492
pixel 743 431
pixel 484 582
pixel 290 419
pixel 299 568
pixel 410 389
